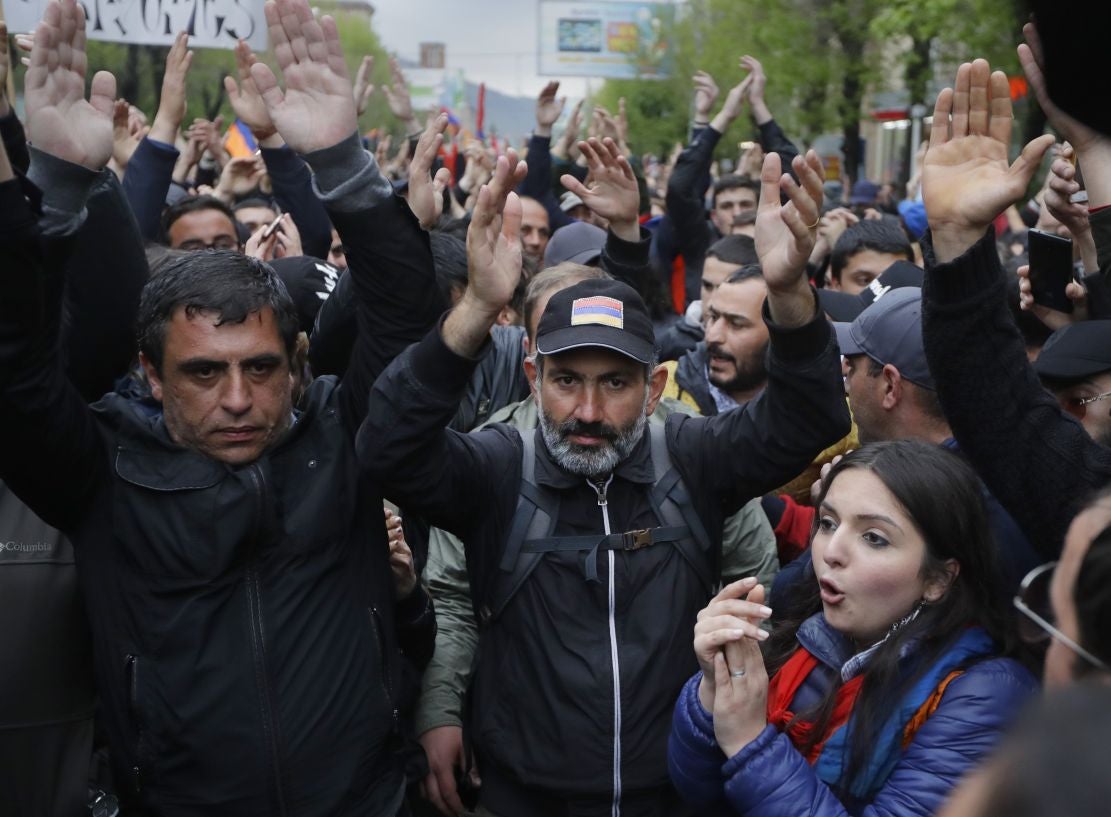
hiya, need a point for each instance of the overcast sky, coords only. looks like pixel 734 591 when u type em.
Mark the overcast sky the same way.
pixel 493 41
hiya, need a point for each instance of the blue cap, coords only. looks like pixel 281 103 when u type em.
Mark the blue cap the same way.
pixel 890 331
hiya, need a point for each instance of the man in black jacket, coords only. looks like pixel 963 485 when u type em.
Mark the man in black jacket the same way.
pixel 579 663
pixel 233 560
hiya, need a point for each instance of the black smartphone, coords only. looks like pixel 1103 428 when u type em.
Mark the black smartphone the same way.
pixel 1051 269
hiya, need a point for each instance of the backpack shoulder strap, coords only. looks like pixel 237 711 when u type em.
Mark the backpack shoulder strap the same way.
pixel 673 505
pixel 535 517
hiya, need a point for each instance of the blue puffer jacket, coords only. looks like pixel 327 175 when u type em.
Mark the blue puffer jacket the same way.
pixel 770 778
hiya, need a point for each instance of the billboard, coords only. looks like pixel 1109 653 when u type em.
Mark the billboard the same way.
pixel 618 40
pixel 210 23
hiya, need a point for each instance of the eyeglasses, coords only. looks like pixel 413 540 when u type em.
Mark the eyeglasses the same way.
pixel 222 242
pixel 1078 406
pixel 1033 602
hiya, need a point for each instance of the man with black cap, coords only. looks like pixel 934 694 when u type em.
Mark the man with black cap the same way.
pixel 592 544
pixel 1075 364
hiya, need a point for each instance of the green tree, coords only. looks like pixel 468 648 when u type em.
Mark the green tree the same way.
pixel 822 58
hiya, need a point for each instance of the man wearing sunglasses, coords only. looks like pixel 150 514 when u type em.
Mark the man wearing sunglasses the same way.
pixel 1075 364
pixel 1068 603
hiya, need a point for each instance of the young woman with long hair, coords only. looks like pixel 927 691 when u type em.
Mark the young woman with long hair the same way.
pixel 884 681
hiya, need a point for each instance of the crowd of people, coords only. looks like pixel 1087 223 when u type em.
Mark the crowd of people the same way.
pixel 341 479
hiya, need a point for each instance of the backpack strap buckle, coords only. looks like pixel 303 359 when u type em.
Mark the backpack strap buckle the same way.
pixel 636 539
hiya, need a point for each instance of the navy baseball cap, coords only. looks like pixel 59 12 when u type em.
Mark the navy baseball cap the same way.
pixel 599 312
pixel 890 331
pixel 579 242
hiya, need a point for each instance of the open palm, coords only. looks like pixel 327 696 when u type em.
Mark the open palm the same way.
pixel 60 121
pixel 966 178
pixel 317 109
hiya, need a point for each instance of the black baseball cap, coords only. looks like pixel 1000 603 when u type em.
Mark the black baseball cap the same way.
pixel 1076 351
pixel 598 312
pixel 841 306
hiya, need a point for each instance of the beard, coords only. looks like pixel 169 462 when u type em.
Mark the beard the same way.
pixel 749 375
pixel 590 460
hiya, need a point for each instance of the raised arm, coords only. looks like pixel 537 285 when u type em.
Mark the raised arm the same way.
pixel 289 175
pixel 772 138
pixel 152 164
pixel 50 452
pixel 802 411
pixel 1035 460
pixel 538 181
pixel 396 297
pixel 686 189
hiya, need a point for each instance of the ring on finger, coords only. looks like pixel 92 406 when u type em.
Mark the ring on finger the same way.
pixel 817 221
pixel 737 673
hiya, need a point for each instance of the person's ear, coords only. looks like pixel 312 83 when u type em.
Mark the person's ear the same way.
pixel 940 584
pixel 531 372
pixel 656 385
pixel 153 378
pixel 893 388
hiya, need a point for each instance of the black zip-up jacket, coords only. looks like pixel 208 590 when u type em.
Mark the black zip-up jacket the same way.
pixel 544 701
pixel 243 619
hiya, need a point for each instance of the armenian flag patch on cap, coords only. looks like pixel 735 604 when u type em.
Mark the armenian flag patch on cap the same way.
pixel 598 310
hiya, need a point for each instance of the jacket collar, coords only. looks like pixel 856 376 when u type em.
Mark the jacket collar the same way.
pixel 637 467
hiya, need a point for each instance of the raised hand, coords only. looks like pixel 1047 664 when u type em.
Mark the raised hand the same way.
pixel 494 237
pixel 397 95
pixel 1072 130
pixel 1054 319
pixel 570 135
pixel 240 176
pixel 613 193
pixel 1060 185
pixel 171 102
pixel 548 109
pixel 245 98
pixel 401 557
pixel 125 137
pixel 966 179
pixel 363 86
pixel 317 109
pixel 60 121
pixel 705 95
pixel 758 80
pixel 426 193
pixel 731 109
pixel 785 233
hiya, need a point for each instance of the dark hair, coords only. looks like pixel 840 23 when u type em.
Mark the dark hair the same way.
pixel 449 260
pixel 228 283
pixel 732 181
pixel 745 273
pixel 942 496
pixel 1053 762
pixel 193 204
pixel 878 235
pixel 254 201
pixel 734 249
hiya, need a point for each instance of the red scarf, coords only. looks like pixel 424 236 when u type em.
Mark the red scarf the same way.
pixel 781 691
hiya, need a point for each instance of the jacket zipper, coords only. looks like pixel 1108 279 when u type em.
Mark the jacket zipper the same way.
pixel 258 641
pixel 600 489
pixel 387 685
pixel 136 715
